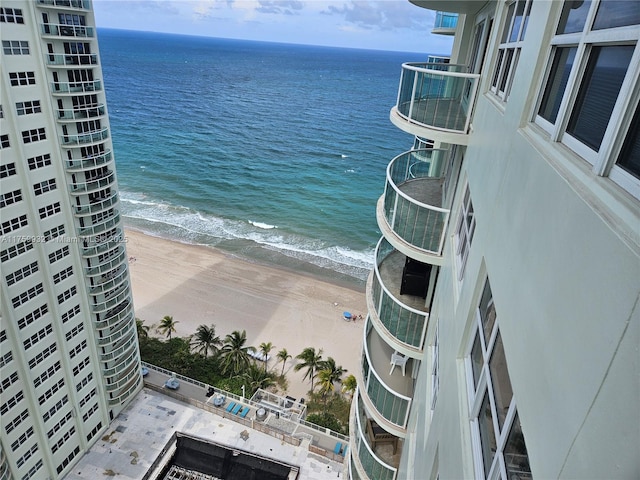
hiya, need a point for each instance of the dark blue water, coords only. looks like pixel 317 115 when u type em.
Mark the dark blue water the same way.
pixel 274 152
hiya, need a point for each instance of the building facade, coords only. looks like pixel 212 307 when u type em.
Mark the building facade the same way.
pixel 69 358
pixel 504 319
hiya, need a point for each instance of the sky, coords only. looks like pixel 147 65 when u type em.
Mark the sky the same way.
pixel 378 25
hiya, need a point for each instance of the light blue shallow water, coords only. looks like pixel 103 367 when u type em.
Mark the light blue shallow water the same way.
pixel 272 152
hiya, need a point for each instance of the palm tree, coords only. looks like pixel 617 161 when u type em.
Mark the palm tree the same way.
pixel 143 330
pixel 325 380
pixel 283 356
pixel 206 340
pixel 257 378
pixel 335 371
pixel 265 348
pixel 167 326
pixel 235 358
pixel 310 359
pixel 349 385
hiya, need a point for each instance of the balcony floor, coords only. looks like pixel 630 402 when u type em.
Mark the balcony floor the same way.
pixel 429 191
pixel 380 357
pixel 391 275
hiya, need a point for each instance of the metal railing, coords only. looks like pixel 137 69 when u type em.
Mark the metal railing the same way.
pixel 417 223
pixel 404 323
pixel 71 59
pixel 76 87
pixel 391 405
pixel 84 113
pixel 437 95
pixel 56 29
pixel 84 138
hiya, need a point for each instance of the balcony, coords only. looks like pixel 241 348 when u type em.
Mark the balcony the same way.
pixel 70 59
pixel 73 114
pixel 57 30
pixel 85 138
pixel 88 163
pixel 435 101
pixel 401 319
pixel 82 4
pixel 76 87
pixel 445 23
pixel 99 228
pixel 370 457
pixel 96 205
pixel 93 185
pixel 410 212
pixel 386 392
pixel 457 6
pixel 102 243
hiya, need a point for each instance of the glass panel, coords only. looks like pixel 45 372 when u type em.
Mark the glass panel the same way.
pixel 557 82
pixel 629 158
pixel 487 312
pixel 507 25
pixel 526 20
pixel 516 459
pixel 477 360
pixel 487 434
pixel 517 21
pixel 617 14
pixel 598 93
pixel 502 391
pixel 573 17
pixel 507 67
pixel 494 82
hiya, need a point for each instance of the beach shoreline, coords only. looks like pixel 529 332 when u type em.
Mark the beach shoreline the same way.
pixel 198 285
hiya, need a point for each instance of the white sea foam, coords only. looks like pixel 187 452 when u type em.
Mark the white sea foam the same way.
pixel 189 226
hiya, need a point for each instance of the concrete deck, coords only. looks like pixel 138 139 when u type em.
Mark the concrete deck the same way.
pixel 136 437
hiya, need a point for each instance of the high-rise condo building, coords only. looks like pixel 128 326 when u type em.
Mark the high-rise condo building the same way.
pixel 504 305
pixel 69 359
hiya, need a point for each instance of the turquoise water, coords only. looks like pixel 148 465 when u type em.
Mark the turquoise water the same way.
pixel 272 152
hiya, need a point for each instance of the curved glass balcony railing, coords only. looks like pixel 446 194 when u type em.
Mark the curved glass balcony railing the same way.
pixel 80 164
pixel 94 184
pixel 85 138
pixel 73 114
pixel 58 30
pixel 438 96
pixel 71 59
pixel 374 466
pixel 83 4
pixel 112 318
pixel 128 391
pixel 116 369
pixel 97 205
pixel 99 228
pixel 76 87
pixel 405 323
pixel 445 22
pixel 392 405
pixel 413 197
pixel 109 285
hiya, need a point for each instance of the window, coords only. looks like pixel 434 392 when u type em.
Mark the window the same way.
pixel 58 406
pixel 33 135
pixel 11 15
pixel 49 210
pixel 49 393
pixel 12 402
pixel 7 170
pixel 513 32
pixel 4 141
pixel 78 349
pixel 58 277
pixel 495 427
pixel 74 331
pixel 42 355
pixel 67 294
pixel 21 273
pixel 39 161
pixel 59 254
pixel 15 47
pixel 28 108
pixel 43 187
pixel 36 337
pixel 589 98
pixel 14 224
pixel 33 316
pixel 10 197
pixel 464 232
pixel 22 78
pixel 55 232
pixel 70 314
pixel 26 296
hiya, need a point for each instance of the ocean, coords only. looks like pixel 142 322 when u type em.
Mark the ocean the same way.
pixel 275 153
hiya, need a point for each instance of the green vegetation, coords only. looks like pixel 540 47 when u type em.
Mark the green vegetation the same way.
pixel 227 365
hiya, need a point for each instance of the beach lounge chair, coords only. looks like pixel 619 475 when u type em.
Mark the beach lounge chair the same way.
pixel 236 409
pixel 244 412
pixel 230 407
pixel 338 448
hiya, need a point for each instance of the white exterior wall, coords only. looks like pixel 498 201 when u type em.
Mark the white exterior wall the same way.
pixel 561 249
pixel 84 411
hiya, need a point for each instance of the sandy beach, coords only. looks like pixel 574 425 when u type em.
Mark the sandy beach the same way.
pixel 201 285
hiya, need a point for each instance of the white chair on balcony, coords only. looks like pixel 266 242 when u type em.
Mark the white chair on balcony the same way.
pixel 398 360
